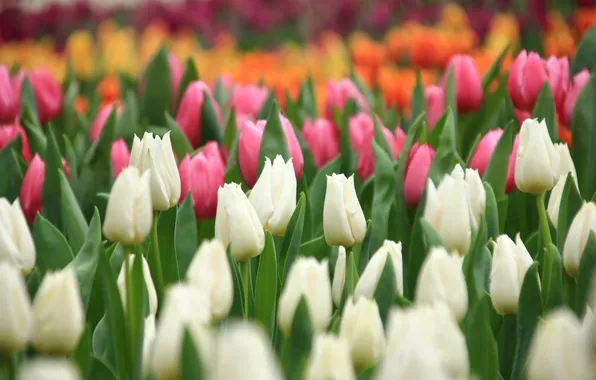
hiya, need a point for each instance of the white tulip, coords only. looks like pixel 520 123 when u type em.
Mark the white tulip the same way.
pixel 156 153
pixel 582 225
pixel 537 160
pixel 148 339
pixel 566 164
pixel 309 279
pixel 274 195
pixel 48 369
pixel 151 293
pixel 237 223
pixel 211 273
pixel 554 202
pixel 339 276
pixel 16 316
pixel 367 284
pixel 343 218
pixel 58 313
pixel 362 327
pixel 244 352
pixel 476 195
pixel 509 266
pixel 129 214
pixel 16 243
pixel 441 279
pixel 329 359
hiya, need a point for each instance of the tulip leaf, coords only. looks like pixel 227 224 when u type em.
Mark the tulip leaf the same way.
pixel 136 305
pixel 82 353
pixel 496 171
pixel 99 369
pixel 155 100
pixel 10 172
pixel 365 249
pixel 65 120
pixel 583 132
pixel 99 153
pixel 379 137
pixel 267 107
pixel 128 122
pixel 317 194
pixel 190 364
pixel 180 143
pixel 367 373
pixel 211 130
pixel 238 303
pixel 28 100
pixel 386 289
pixel 342 121
pixel 351 278
pixel 233 169
pixel 230 132
pixel 185 235
pixel 306 99
pixel 222 95
pixel 491 213
pixel 293 111
pixel 190 75
pixel 385 186
pixel 35 135
pixel 443 161
pixel 73 220
pixel 301 335
pixel 451 96
pixel 417 251
pixel 316 248
pixel 482 347
pixel 266 286
pixel 494 70
pixel 434 136
pixel 506 341
pixel 552 283
pixel 274 139
pixel 474 264
pixel 166 231
pixel 362 87
pixel 292 239
pixel 431 237
pixel 418 100
pixel 585 55
pixel 587 268
pixel 545 109
pixel 570 204
pixel 53 252
pixel 51 185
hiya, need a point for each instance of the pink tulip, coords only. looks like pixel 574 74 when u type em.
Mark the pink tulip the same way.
pixel 400 138
pixel 248 100
pixel 9 133
pixel 48 95
pixel 579 81
pixel 322 139
pixel 249 145
pixel 9 98
pixel 510 185
pixel 521 116
pixel 202 176
pixel 100 120
pixel 485 150
pixel 435 104
pixel 417 169
pixel 338 94
pixel 189 111
pixel 176 72
pixel 468 86
pixel 119 156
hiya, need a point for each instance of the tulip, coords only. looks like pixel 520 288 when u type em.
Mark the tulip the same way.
pixel 309 279
pixel 510 184
pixel 249 99
pixel 521 116
pixel 400 139
pixel 176 73
pixel 367 284
pixel 554 201
pixel 100 120
pixel 202 176
pixel 582 225
pixel 148 339
pixel 417 169
pixel 16 243
pixel 128 214
pixel 244 352
pixel 343 218
pixel 190 108
pixel 16 318
pixel 339 277
pixel 156 154
pixel 58 313
pixel 537 161
pixel 362 327
pixel 210 272
pixel 484 150
pixel 9 133
pixel 185 308
pixel 151 293
pixel 559 349
pixel 509 266
pixel 42 368
pixel 329 359
pixel 274 195
pixel 435 105
pixel 475 192
pixel 415 360
pixel 9 98
pixel 441 280
pixel 338 94
pixel 579 82
pixel 237 223
pixel 249 145
pixel 48 95
pixel 322 139
pixel 566 164
pixel 468 86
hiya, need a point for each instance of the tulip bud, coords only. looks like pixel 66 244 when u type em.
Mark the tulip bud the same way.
pixel 558 78
pixel 16 318
pixel 416 360
pixel 484 150
pixel 441 280
pixel 176 73
pixel 9 97
pixel 309 279
pixel 566 164
pixel 339 276
pixel 128 214
pixel 151 293
pixel 100 120
pixel 476 193
pixel 329 359
pixel 559 349
pixel 509 266
pixel 322 139
pixel 417 169
pixel 244 352
pixel 435 105
pixel 190 108
pixel 338 94
pixel 400 139
pixel 41 369
pixel 554 201
pixel 238 223
pixel 58 313
pixel 343 218
pixel 148 339
pixel 510 184
pixel 9 133
pixel 362 327
pixel 468 86
pixel 156 154
pixel 582 225
pixel 119 157
pixel 248 100
pixel 274 195
pixel 579 82
pixel 16 243
pixel 367 284
pixel 48 95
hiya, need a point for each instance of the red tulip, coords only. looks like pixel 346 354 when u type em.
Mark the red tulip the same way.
pixel 468 86
pixel 338 94
pixel 510 185
pixel 100 120
pixel 400 138
pixel 322 139
pixel 417 169
pixel 435 105
pixel 9 133
pixel 189 111
pixel 119 156
pixel 176 72
pixel 248 100
pixel 249 144
pixel 9 98
pixel 521 116
pixel 48 95
pixel 579 81
pixel 485 150
pixel 202 176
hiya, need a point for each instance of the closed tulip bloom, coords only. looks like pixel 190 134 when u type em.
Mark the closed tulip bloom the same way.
pixel 484 150
pixel 322 139
pixel 417 169
pixel 400 139
pixel 45 369
pixel 367 284
pixel 16 318
pixel 415 360
pixel 468 86
pixel 58 313
pixel 249 99
pixel 156 153
pixel 48 95
pixel 509 266
pixel 101 118
pixel 510 183
pixel 554 201
pixel 151 293
pixel 343 218
pixel 475 192
pixel 339 276
pixel 16 243
pixel 441 280
pixel 9 133
pixel 435 105
pixel 582 225
pixel 329 359
pixel 238 223
pixel 189 112
pixel 362 327
pixel 119 156
pixel 338 94
pixel 537 161
pixel 309 279
pixel 176 73
pixel 579 82
pixel 566 164
pixel 9 98
pixel 210 271
pixel 148 339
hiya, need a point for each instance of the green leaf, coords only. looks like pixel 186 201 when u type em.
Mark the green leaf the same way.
pixel 434 136
pixel 587 266
pixel 342 120
pixel 585 55
pixel 128 122
pixel 583 133
pixel 185 235
pixel 267 107
pixel 53 252
pixel 386 289
pixel 99 369
pixel 317 194
pixel 417 251
pixel 443 161
pixel 238 303
pixel 494 71
pixel 210 128
pixel 166 231
pixel 190 75
pixel 221 94
pixel 99 153
pixel 351 279
pixel 28 99
pixel 418 100
pixel 306 99
pixel 570 204
pixel 316 248
pixel 136 304
pixel 544 108
pixel 473 264
pixel 233 169
pixel 380 138
pixel 496 171
pixel 35 135
pixel 552 284
pixel 191 364
pixel 310 167
pixel 292 238
pixel 492 212
pixel 51 185
pixel 180 143
pixel 10 171
pixel 274 139
pixel 482 348
pixel 451 94
pixel 301 336
pixel 385 186
pixel 266 286
pixel 65 120
pixel 73 220
pixel 155 101
pixel 230 132
pixel 370 98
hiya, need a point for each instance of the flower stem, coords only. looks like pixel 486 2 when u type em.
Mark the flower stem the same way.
pixel 547 240
pixel 154 261
pixel 7 366
pixel 246 283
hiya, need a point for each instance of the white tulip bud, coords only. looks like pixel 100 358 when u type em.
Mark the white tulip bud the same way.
pixel 339 276
pixel 329 359
pixel 537 160
pixel 16 317
pixel 274 195
pixel 362 327
pixel 58 313
pixel 510 263
pixel 343 218
pixel 237 223
pixel 244 352
pixel 476 195
pixel 151 293
pixel 559 349
pixel 309 279
pixel 48 369
pixel 16 243
pixel 129 215
pixel 582 225
pixel 441 280
pixel 156 153
pixel 554 202
pixel 210 272
pixel 367 284
pixel 566 164
pixel 148 338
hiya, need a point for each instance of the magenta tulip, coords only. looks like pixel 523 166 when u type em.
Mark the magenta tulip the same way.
pixel 100 120
pixel 435 104
pixel 579 81
pixel 189 111
pixel 417 169
pixel 322 139
pixel 48 95
pixel 119 156
pixel 9 98
pixel 338 94
pixel 468 85
pixel 485 150
pixel 248 100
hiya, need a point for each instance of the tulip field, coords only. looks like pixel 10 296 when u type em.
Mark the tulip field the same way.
pixel 170 211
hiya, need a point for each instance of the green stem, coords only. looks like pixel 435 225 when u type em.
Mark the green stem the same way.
pixel 154 260
pixel 246 285
pixel 8 367
pixel 547 239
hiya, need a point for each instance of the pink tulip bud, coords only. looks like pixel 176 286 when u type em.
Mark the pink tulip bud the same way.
pixel 202 176
pixel 48 95
pixel 100 120
pixel 9 98
pixel 521 116
pixel 558 78
pixel 579 81
pixel 338 94
pixel 176 72
pixel 189 111
pixel 435 104
pixel 322 139
pixel 119 156
pixel 400 139
pixel 468 86
pixel 510 185
pixel 417 170
pixel 485 150
pixel 9 133
pixel 249 100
